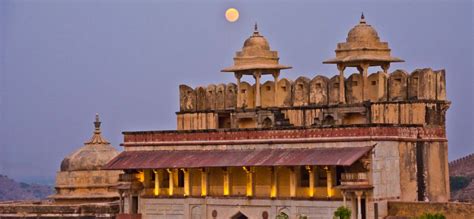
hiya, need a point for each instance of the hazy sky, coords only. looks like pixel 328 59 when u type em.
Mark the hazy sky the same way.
pixel 63 61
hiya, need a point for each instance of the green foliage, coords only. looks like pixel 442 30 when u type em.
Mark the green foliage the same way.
pixel 282 216
pixel 458 182
pixel 303 217
pixel 342 213
pixel 432 216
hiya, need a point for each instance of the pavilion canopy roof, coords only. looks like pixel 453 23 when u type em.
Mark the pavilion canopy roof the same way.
pixel 158 159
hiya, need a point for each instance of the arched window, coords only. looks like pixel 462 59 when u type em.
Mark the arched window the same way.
pixel 239 215
pixel 267 123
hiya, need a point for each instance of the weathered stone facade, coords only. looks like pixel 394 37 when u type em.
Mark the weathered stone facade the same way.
pixel 240 149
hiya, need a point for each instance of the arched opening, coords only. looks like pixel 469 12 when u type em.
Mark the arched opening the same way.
pixel 267 123
pixel 239 215
pixel 329 120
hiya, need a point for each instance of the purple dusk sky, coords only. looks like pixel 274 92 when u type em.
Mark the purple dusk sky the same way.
pixel 63 61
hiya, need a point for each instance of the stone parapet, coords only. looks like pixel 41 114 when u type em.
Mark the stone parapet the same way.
pixel 421 84
pixel 289 135
pixel 452 210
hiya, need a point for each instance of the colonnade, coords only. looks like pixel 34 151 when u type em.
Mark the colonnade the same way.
pixel 250 179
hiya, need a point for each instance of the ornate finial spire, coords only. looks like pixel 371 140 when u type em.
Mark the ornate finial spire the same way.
pixel 97 123
pixel 255 29
pixel 362 18
pixel 97 137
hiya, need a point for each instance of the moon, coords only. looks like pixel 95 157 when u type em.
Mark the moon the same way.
pixel 232 15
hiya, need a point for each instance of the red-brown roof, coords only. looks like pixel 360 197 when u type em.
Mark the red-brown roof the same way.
pixel 158 159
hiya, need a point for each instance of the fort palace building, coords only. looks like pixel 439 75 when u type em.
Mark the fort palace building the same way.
pixel 294 148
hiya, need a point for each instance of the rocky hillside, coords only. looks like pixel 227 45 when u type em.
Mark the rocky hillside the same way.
pixel 12 190
pixel 461 173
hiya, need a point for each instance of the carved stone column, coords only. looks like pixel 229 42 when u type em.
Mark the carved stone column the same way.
pixel 329 181
pixel 292 182
pixel 274 182
pixel 171 182
pixel 385 67
pixel 363 69
pixel 359 209
pixel 342 93
pixel 250 181
pixel 156 190
pixel 238 76
pixel 203 182
pixel 275 90
pixel 257 75
pixel 311 181
pixel 187 182
pixel 226 181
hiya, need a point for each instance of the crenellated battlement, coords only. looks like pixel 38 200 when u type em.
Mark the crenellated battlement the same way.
pixel 421 84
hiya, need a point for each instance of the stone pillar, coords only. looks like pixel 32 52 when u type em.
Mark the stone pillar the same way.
pixel 257 74
pixel 171 182
pixel 238 76
pixel 359 209
pixel 187 182
pixel 363 69
pixel 385 67
pixel 274 182
pixel 344 198
pixel 292 182
pixel 329 181
pixel 249 187
pixel 226 181
pixel 121 201
pixel 156 190
pixel 342 93
pixel 275 82
pixel 203 182
pixel 311 181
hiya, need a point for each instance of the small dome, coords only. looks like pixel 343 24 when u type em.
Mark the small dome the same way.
pixel 93 155
pixel 362 33
pixel 89 157
pixel 256 41
pixel 256 54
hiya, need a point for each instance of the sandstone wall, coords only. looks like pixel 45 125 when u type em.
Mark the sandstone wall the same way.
pixel 226 208
pixel 421 84
pixel 451 210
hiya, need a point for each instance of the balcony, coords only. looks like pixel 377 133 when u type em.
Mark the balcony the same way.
pixel 360 178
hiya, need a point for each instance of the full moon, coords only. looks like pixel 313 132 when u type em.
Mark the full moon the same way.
pixel 232 15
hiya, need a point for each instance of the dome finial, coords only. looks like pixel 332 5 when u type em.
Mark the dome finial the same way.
pixel 362 18
pixel 255 28
pixel 97 137
pixel 97 122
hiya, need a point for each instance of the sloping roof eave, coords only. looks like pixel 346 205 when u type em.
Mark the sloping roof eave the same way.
pixel 160 159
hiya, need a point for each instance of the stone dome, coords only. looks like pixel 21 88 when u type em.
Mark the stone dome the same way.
pixel 255 54
pixel 93 155
pixel 363 45
pixel 256 41
pixel 362 32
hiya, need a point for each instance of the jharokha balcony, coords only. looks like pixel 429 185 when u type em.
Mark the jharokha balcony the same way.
pixel 359 178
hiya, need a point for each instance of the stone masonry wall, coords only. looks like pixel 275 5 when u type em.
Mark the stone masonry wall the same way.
pixel 421 84
pixel 451 210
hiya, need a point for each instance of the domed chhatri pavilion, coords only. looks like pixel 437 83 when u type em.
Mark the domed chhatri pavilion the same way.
pixel 297 149
pixel 81 178
pixel 361 50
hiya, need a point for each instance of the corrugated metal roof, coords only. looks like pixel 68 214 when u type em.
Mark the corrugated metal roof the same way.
pixel 157 159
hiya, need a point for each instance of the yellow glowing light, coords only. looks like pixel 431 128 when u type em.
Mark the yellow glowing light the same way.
pixel 232 15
